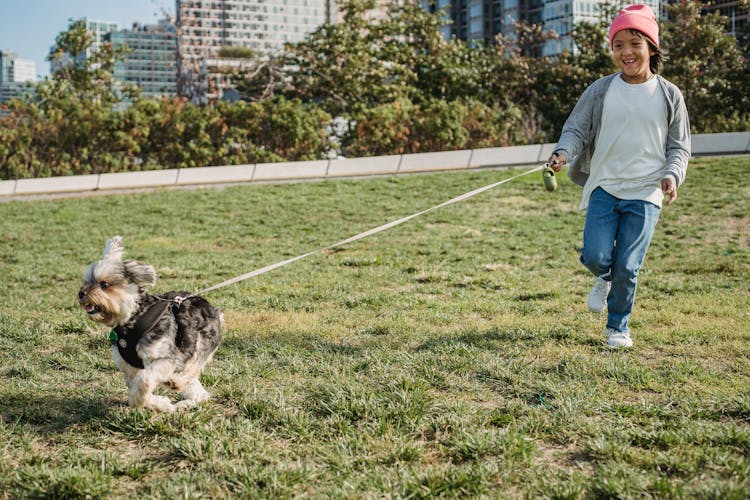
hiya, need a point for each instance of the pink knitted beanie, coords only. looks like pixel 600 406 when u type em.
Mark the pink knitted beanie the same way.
pixel 637 17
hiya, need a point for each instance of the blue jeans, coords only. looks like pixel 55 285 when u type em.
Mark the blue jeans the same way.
pixel 616 237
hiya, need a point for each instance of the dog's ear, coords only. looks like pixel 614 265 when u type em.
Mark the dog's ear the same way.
pixel 114 248
pixel 139 273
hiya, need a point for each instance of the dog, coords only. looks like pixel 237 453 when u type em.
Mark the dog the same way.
pixel 156 339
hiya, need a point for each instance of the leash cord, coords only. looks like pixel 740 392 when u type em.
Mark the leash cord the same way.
pixel 357 237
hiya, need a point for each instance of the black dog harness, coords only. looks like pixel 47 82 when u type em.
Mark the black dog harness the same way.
pixel 127 338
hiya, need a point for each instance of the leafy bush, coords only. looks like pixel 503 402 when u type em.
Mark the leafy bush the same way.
pixel 390 86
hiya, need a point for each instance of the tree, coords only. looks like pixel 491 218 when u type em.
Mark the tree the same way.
pixel 403 127
pixel 75 123
pixel 741 74
pixel 340 66
pixel 266 80
pixel 396 84
pixel 234 52
pixel 85 72
pixel 67 125
pixel 361 69
pixel 705 62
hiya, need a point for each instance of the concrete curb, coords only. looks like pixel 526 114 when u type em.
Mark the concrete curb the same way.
pixel 514 156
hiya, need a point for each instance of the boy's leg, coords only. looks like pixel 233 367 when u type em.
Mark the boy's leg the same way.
pixel 599 233
pixel 637 223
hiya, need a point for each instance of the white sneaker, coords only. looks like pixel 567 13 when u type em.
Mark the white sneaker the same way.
pixel 598 295
pixel 617 339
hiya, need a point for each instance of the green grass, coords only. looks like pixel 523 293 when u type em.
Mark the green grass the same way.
pixel 450 356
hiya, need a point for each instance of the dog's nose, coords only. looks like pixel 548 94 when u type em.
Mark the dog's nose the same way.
pixel 81 295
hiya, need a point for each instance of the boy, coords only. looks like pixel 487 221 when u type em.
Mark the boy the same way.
pixel 628 140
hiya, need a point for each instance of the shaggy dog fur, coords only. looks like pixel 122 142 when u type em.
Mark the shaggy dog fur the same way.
pixel 156 339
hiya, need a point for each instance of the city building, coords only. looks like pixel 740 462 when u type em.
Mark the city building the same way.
pixel 15 69
pixel 205 26
pixel 99 29
pixel 16 74
pixel 151 62
pixel 483 20
pixel 562 16
pixel 737 16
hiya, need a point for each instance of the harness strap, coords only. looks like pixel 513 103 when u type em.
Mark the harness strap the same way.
pixel 127 338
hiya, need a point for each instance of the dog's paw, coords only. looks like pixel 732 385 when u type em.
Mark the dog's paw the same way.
pixel 200 396
pixel 194 391
pixel 160 403
pixel 185 403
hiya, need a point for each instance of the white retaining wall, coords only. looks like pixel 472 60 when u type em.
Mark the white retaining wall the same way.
pixel 514 156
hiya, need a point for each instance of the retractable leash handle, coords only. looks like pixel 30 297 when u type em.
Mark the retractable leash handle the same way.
pixel 548 176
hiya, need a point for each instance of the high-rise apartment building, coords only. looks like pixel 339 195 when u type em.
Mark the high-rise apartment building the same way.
pixel 485 19
pixel 151 63
pixel 737 16
pixel 99 29
pixel 15 75
pixel 14 69
pixel 205 26
pixel 562 16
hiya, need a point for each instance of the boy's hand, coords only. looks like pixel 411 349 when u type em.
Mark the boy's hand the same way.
pixel 669 188
pixel 556 161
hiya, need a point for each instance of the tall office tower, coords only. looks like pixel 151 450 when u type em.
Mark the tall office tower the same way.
pixel 13 69
pixel 15 74
pixel 484 19
pixel 152 61
pixel 205 26
pixel 99 29
pixel 562 16
pixel 526 11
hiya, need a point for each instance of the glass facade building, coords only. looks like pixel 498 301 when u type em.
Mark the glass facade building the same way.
pixel 205 26
pixel 15 75
pixel 151 63
pixel 483 20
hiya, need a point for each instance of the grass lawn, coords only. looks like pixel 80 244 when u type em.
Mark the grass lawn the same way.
pixel 450 356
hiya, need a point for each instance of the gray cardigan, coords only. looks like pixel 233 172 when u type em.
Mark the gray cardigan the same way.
pixel 578 138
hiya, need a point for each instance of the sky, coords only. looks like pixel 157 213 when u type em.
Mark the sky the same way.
pixel 29 27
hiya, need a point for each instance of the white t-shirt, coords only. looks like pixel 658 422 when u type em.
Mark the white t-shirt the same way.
pixel 629 158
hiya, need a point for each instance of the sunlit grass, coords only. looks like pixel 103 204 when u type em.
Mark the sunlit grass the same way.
pixel 452 355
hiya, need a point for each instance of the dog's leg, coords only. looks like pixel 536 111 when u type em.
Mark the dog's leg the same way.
pixel 144 383
pixel 193 393
pixel 128 371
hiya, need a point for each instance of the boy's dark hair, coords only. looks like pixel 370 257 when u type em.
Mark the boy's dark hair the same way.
pixel 655 60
